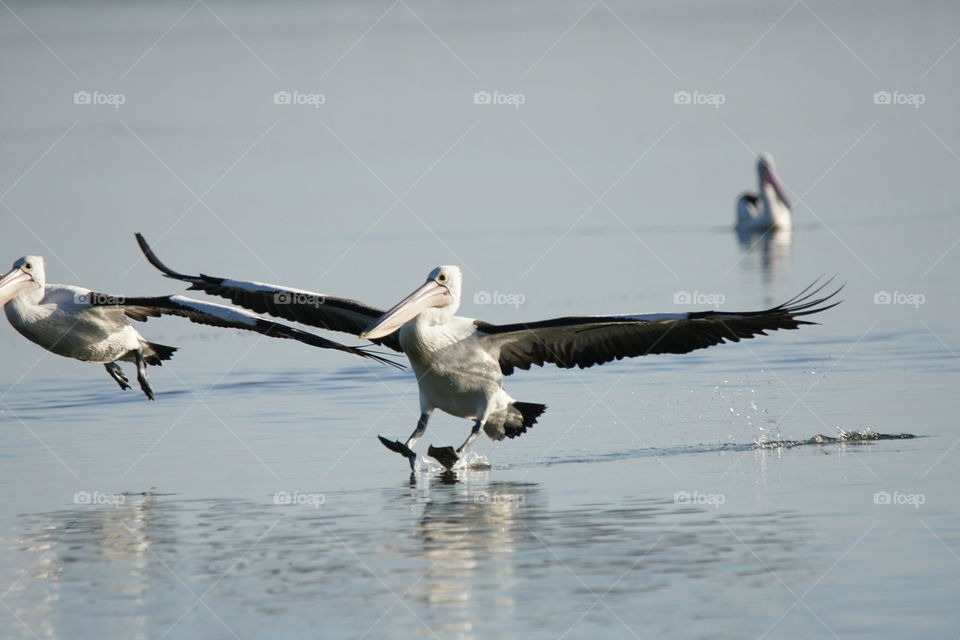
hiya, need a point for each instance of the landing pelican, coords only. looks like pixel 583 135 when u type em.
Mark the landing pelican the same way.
pixel 767 209
pixel 92 327
pixel 460 362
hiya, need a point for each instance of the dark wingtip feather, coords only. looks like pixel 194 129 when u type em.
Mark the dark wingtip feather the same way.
pixel 379 358
pixel 804 303
pixel 155 261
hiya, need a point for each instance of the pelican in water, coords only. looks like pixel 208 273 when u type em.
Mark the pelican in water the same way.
pixel 769 208
pixel 460 362
pixel 93 327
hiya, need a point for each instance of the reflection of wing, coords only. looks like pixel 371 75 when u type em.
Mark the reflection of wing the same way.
pixel 218 315
pixel 586 341
pixel 296 305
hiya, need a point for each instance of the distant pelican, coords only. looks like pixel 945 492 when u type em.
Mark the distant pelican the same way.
pixel 92 327
pixel 460 362
pixel 768 209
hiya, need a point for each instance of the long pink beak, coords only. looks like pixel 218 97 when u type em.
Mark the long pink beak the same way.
pixel 771 178
pixel 13 284
pixel 430 294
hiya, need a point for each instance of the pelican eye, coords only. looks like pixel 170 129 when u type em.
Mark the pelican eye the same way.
pixel 27 266
pixel 442 278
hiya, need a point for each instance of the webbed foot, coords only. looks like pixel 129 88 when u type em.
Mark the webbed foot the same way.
pixel 447 456
pixel 398 447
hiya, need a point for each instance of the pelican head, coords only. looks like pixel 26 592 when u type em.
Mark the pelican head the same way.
pixel 765 161
pixel 440 295
pixel 26 275
pixel 767 173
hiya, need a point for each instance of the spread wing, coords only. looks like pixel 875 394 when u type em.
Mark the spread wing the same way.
pixel 586 341
pixel 297 305
pixel 218 315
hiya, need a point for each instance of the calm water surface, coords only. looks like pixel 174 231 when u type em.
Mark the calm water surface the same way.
pixel 253 499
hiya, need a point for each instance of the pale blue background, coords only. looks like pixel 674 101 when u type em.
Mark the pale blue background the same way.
pixel 598 195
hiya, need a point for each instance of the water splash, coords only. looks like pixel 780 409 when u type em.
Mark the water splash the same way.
pixel 863 435
pixel 472 461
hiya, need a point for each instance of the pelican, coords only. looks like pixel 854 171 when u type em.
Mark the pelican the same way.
pixel 92 327
pixel 460 362
pixel 769 208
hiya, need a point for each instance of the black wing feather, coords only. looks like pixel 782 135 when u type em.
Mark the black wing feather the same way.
pixel 587 341
pixel 309 308
pixel 218 315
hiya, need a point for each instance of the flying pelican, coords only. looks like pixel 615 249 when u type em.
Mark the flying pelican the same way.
pixel 460 362
pixel 768 209
pixel 93 327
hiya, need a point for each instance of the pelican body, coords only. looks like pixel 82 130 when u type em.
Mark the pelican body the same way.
pixel 768 208
pixel 61 319
pixel 462 379
pixel 456 371
pixel 460 362
pixel 93 327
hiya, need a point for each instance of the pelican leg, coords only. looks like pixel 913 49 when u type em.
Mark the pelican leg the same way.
pixel 406 448
pixel 142 376
pixel 448 456
pixel 117 374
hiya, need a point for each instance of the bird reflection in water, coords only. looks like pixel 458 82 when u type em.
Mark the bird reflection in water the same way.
pixel 468 537
pixel 92 545
pixel 766 252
